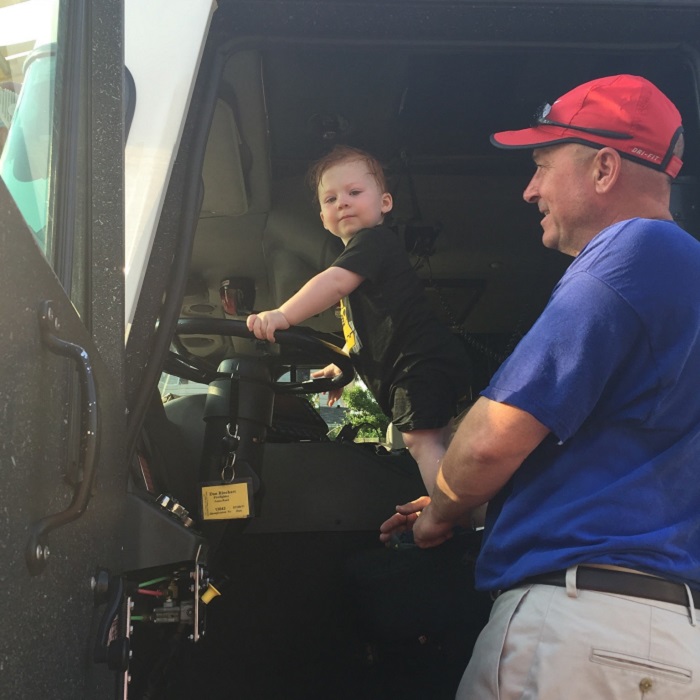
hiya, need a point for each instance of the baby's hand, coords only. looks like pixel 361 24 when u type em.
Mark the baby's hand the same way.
pixel 264 324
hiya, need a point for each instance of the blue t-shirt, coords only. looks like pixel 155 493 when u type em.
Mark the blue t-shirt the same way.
pixel 612 368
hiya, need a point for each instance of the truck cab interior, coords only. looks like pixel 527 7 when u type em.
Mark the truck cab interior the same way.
pixel 312 606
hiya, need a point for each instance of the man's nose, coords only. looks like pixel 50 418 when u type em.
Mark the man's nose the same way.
pixel 530 194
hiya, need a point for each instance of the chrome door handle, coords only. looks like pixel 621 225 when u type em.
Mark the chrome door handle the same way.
pixel 37 551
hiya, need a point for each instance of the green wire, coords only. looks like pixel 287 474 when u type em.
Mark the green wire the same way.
pixel 153 580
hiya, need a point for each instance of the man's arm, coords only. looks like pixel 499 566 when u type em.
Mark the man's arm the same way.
pixel 318 294
pixel 490 444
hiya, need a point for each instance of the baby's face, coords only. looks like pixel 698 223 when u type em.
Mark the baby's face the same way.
pixel 351 199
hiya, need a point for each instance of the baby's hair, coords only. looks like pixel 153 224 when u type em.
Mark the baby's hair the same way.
pixel 345 154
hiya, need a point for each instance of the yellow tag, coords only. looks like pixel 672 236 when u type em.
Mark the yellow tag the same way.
pixel 226 501
pixel 352 341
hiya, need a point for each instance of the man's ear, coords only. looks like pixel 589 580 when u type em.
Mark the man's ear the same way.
pixel 387 203
pixel 607 167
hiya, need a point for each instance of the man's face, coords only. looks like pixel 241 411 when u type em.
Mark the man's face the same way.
pixel 351 199
pixel 562 189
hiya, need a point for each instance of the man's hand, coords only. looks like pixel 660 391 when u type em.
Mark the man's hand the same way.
pixel 330 371
pixel 403 520
pixel 264 324
pixel 428 532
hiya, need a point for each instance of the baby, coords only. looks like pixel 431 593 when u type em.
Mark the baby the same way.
pixel 414 366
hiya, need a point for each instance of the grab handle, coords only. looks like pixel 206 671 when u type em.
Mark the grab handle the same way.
pixel 37 552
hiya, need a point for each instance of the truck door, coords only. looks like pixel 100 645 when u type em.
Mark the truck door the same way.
pixel 62 456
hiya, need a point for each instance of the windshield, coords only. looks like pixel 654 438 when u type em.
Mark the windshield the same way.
pixel 27 78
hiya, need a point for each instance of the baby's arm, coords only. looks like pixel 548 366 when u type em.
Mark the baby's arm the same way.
pixel 318 294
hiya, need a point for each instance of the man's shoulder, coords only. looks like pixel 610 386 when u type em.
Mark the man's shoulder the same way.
pixel 637 237
pixel 635 256
pixel 640 226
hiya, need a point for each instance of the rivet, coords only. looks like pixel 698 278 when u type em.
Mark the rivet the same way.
pixel 645 685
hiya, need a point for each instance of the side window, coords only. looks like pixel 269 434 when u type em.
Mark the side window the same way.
pixel 28 39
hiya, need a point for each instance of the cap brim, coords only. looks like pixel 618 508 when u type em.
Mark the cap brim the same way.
pixel 526 138
pixel 538 138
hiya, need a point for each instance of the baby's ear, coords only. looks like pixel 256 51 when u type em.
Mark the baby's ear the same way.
pixel 387 203
pixel 323 221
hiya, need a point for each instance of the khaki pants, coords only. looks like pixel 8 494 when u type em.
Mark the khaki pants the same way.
pixel 544 643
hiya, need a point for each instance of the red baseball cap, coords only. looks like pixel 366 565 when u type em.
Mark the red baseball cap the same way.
pixel 624 112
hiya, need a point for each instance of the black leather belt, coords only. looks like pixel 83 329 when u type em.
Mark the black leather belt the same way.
pixel 622 583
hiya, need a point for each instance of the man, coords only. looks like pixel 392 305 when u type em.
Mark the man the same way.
pixel 586 443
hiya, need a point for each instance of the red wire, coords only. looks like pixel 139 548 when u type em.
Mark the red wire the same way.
pixel 145 591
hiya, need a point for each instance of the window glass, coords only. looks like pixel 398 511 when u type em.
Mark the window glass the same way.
pixel 28 40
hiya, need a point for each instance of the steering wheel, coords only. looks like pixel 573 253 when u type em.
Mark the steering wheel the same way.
pixel 295 345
